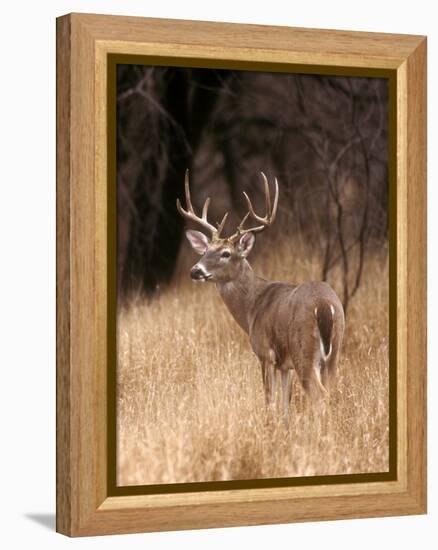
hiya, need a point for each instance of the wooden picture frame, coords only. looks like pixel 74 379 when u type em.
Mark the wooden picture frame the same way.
pixel 85 503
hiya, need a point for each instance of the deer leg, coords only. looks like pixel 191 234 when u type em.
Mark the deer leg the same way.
pixel 265 382
pixel 325 375
pixel 317 367
pixel 329 368
pixel 311 380
pixel 286 387
pixel 268 372
pixel 328 371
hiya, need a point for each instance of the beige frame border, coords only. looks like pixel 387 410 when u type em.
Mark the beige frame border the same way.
pixel 83 43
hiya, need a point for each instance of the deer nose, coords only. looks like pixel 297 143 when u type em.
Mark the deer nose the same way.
pixel 197 273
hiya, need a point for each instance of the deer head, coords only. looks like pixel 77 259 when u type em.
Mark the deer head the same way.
pixel 222 257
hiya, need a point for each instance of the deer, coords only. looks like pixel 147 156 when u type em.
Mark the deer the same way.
pixel 291 327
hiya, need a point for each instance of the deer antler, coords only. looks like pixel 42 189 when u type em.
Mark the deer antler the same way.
pixel 267 220
pixel 191 215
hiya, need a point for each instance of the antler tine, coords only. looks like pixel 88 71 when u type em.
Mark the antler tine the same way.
pixel 270 212
pixel 185 213
pixel 180 208
pixel 221 225
pixel 187 191
pixel 190 214
pixel 269 217
pixel 251 209
pixel 275 207
pixel 205 209
pixel 242 223
pixel 267 194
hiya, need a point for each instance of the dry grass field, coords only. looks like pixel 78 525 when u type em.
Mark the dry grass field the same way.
pixel 190 401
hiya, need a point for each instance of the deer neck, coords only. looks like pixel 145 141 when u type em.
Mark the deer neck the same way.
pixel 239 294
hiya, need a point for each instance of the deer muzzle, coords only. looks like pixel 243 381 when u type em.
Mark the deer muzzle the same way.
pixel 197 273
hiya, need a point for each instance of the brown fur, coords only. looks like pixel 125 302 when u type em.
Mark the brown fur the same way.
pixel 284 332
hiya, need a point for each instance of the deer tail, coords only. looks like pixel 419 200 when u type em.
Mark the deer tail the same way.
pixel 324 314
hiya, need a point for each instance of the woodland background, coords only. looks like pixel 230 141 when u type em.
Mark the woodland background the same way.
pixel 325 138
pixel 190 402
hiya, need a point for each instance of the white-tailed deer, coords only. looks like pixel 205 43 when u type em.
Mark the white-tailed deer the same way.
pixel 290 326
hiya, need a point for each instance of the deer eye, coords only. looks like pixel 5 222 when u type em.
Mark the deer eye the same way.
pixel 226 254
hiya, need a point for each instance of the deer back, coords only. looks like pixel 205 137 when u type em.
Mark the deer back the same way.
pixel 286 319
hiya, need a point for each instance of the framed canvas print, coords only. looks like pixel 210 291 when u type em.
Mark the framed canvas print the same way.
pixel 285 169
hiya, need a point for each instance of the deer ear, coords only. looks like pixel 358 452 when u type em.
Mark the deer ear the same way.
pixel 198 241
pixel 246 243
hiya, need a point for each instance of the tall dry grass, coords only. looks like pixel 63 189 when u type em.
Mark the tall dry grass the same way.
pixel 190 401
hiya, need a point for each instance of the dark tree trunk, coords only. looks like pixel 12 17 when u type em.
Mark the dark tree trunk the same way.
pixel 186 99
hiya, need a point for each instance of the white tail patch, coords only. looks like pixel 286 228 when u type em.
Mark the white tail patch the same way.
pixel 324 355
